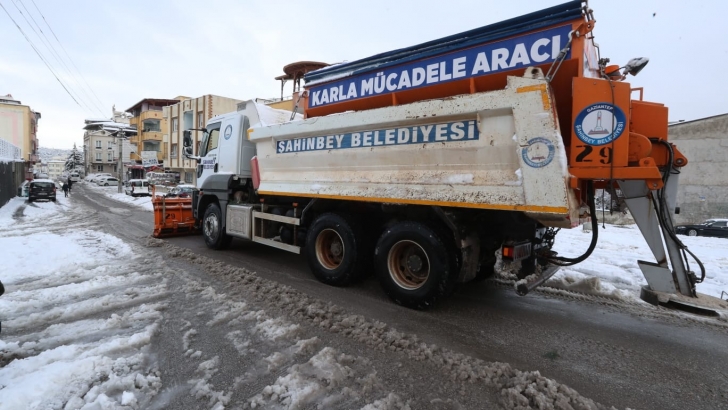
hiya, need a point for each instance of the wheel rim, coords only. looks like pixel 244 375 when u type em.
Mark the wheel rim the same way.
pixel 693 233
pixel 329 249
pixel 211 226
pixel 408 264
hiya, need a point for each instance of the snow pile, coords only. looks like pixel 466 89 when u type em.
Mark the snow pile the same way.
pixel 321 375
pixel 60 348
pixel 330 379
pixel 144 202
pixel 612 269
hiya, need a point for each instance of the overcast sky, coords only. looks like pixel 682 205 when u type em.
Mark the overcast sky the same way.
pixel 133 49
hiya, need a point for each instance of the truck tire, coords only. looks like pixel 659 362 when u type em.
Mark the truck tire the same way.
pixel 336 249
pixel 212 230
pixel 413 265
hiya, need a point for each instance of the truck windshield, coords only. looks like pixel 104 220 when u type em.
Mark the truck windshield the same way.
pixel 209 139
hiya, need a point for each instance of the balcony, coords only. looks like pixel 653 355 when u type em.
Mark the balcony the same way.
pixel 151 136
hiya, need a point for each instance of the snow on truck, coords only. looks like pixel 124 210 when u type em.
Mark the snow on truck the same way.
pixel 427 164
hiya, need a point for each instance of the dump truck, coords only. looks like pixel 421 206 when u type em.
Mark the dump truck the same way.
pixel 429 164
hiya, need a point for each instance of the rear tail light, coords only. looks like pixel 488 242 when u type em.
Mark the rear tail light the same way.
pixel 516 252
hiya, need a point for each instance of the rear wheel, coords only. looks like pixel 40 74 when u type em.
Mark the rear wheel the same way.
pixel 692 232
pixel 413 265
pixel 212 229
pixel 336 249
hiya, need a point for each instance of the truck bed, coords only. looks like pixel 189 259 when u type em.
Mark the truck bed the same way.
pixel 496 150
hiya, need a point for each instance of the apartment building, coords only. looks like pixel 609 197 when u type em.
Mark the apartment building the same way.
pixel 186 114
pixel 56 166
pixel 100 146
pixel 151 125
pixel 19 127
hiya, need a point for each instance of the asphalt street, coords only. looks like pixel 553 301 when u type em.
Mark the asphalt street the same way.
pixel 623 355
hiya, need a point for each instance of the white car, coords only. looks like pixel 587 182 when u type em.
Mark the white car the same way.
pixel 96 177
pixel 107 181
pixel 138 187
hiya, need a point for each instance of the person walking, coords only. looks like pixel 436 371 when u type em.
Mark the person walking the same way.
pixel 65 189
pixel 70 185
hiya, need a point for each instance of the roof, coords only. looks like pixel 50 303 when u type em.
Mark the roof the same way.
pixel 507 28
pixel 163 102
pixel 697 119
pixel 110 126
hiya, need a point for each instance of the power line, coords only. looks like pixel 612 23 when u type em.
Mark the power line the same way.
pixel 66 52
pixel 58 57
pixel 55 55
pixel 40 55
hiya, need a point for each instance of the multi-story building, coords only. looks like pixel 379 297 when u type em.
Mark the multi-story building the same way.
pixel 19 127
pixel 56 166
pixel 151 125
pixel 186 114
pixel 100 145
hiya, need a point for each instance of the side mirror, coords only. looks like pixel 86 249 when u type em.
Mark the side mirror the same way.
pixel 188 151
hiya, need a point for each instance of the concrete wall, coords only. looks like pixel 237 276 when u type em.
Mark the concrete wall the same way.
pixel 703 190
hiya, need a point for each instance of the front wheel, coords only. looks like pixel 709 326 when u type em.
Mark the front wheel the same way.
pixel 413 265
pixel 692 232
pixel 212 229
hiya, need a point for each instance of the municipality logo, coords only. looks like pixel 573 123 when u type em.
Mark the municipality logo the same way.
pixel 539 152
pixel 600 124
pixel 228 132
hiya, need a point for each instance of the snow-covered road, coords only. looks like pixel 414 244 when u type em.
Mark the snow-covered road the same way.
pixel 92 322
pixel 98 317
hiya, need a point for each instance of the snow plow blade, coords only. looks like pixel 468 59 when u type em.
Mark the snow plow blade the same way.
pixel 524 287
pixel 172 217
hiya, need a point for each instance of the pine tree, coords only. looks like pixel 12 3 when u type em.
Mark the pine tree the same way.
pixel 75 159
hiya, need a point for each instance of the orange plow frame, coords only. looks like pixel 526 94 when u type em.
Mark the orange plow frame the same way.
pixel 172 216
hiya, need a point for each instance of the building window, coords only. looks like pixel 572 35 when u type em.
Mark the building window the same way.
pixel 110 156
pixel 173 153
pixel 152 125
pixel 187 120
pixel 98 156
pixel 151 146
pixel 188 177
pixel 175 124
pixel 99 168
pixel 111 145
pixel 115 169
pixel 200 119
pixel 98 144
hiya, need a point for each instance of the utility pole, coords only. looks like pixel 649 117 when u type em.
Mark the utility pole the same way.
pixel 119 173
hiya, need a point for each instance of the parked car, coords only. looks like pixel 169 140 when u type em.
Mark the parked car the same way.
pixel 41 189
pixel 74 176
pixel 138 187
pixel 711 227
pixel 95 177
pixel 181 191
pixel 107 181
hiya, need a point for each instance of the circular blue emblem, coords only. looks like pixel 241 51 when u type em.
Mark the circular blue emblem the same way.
pixel 539 152
pixel 600 124
pixel 228 132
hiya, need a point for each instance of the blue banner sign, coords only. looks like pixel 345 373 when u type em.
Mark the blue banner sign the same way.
pixel 519 52
pixel 417 134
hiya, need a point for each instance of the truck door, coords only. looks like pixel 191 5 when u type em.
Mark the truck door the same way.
pixel 208 153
